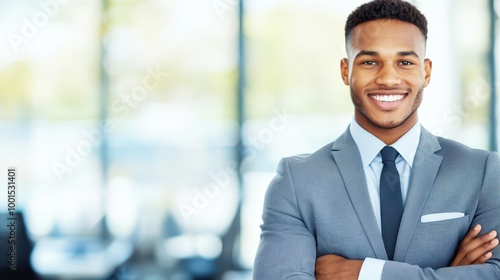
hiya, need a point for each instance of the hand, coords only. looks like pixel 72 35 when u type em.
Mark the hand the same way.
pixel 333 267
pixel 474 250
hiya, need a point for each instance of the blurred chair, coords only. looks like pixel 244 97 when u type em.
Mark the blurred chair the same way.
pixel 195 254
pixel 24 248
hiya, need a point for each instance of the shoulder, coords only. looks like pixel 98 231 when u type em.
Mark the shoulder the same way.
pixel 294 170
pixel 454 149
pixel 462 157
pixel 322 156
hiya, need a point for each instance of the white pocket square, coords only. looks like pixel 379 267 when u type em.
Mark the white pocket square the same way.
pixel 440 217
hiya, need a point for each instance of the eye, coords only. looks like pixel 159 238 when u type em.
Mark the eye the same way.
pixel 406 63
pixel 369 62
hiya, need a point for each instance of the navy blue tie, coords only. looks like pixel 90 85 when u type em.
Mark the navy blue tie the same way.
pixel 391 203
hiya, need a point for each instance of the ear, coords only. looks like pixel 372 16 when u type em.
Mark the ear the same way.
pixel 428 70
pixel 344 70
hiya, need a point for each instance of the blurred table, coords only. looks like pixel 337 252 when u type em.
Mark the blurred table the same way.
pixel 76 258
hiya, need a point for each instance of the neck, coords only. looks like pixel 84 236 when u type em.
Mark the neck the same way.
pixel 387 135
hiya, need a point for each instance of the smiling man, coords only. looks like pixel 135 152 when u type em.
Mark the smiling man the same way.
pixel 387 199
pixel 387 73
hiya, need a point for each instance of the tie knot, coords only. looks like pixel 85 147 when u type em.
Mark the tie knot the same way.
pixel 389 154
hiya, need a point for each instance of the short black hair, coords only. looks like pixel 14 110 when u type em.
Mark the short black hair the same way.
pixel 385 9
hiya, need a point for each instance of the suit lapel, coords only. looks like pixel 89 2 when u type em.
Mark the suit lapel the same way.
pixel 425 168
pixel 346 155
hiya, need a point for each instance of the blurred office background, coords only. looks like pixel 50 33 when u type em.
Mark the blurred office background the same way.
pixel 145 132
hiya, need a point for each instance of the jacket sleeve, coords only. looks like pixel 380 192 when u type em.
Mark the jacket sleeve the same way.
pixel 487 214
pixel 287 249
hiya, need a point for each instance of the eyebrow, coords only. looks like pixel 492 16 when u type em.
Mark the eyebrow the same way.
pixel 376 54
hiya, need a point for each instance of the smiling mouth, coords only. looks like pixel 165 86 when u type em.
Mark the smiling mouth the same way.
pixel 388 98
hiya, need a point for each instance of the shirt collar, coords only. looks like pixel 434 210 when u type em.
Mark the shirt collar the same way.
pixel 369 146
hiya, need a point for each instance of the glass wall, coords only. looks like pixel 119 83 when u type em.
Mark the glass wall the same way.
pixel 49 97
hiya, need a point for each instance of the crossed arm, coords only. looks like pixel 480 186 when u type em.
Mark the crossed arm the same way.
pixel 288 249
pixel 472 250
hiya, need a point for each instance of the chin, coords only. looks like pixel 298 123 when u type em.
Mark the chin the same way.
pixel 392 126
pixel 388 124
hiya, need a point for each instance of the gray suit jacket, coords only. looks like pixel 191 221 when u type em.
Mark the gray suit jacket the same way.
pixel 319 204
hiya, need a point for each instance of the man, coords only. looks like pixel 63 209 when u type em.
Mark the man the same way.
pixel 387 199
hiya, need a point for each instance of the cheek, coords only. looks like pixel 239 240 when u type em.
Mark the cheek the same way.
pixel 359 83
pixel 418 84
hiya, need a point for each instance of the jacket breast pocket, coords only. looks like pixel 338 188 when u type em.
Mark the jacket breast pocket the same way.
pixel 434 242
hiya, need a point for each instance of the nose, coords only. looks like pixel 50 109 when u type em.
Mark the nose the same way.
pixel 388 76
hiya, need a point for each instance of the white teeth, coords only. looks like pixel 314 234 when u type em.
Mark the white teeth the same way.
pixel 388 98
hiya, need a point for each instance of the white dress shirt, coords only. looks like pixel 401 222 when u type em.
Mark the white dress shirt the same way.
pixel 369 148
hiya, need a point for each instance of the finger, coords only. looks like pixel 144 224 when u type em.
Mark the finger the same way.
pixel 473 233
pixel 466 255
pixel 484 258
pixel 480 241
pixel 475 255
